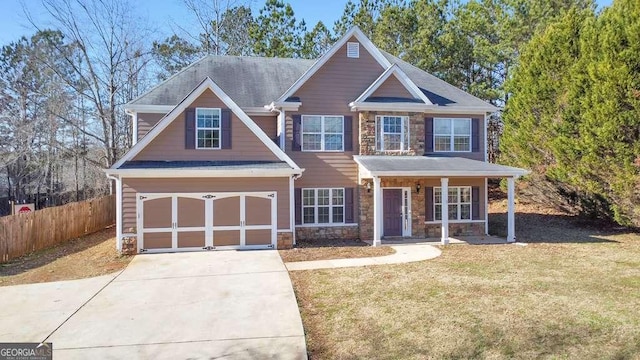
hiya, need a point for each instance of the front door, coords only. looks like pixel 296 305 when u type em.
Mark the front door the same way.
pixel 392 212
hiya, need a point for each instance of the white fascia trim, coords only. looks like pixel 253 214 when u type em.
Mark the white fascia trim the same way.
pixel 392 106
pixel 257 111
pixel 489 174
pixel 206 84
pixel 284 105
pixel 362 38
pixel 404 80
pixel 461 110
pixel 184 173
pixel 156 109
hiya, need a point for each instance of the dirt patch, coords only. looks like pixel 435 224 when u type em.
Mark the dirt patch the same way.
pixel 336 249
pixel 87 256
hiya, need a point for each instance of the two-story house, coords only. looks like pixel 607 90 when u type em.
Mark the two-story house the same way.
pixel 249 152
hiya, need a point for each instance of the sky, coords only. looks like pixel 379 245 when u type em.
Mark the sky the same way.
pixel 166 13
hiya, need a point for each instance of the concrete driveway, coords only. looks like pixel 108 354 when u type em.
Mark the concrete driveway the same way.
pixel 227 304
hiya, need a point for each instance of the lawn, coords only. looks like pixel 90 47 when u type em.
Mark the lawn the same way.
pixel 572 292
pixel 88 256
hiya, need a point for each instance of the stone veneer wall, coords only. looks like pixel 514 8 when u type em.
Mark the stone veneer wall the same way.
pixel 367 126
pixel 417 206
pixel 327 233
pixel 285 240
pixel 456 229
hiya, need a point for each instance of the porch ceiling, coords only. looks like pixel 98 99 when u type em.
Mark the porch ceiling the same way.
pixel 376 165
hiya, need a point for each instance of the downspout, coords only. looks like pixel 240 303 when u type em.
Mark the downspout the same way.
pixel 134 126
pixel 118 211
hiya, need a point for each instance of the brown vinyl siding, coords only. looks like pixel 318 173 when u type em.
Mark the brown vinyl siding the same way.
pixel 482 133
pixel 170 143
pixel 132 186
pixel 146 121
pixel 268 124
pixel 453 182
pixel 392 87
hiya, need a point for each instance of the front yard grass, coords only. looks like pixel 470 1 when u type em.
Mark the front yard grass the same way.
pixel 572 292
pixel 332 249
pixel 90 255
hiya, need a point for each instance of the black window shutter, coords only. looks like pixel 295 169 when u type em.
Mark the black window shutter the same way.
pixel 348 133
pixel 475 202
pixel 297 136
pixel 190 128
pixel 297 196
pixel 349 216
pixel 277 140
pixel 475 135
pixel 428 204
pixel 226 129
pixel 428 135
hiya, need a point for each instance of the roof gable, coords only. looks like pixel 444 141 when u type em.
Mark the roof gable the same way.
pixel 394 72
pixel 206 84
pixel 356 33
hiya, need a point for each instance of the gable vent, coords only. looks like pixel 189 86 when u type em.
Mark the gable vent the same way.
pixel 353 50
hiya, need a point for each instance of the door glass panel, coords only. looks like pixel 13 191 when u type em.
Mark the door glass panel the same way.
pixel 157 213
pixel 257 211
pixel 226 211
pixel 190 212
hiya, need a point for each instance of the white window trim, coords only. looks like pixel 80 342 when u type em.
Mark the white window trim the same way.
pixel 452 136
pixel 458 204
pixel 219 128
pixel 404 134
pixel 322 133
pixel 315 207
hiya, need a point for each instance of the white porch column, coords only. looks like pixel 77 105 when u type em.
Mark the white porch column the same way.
pixel 444 183
pixel 377 212
pixel 511 223
pixel 118 212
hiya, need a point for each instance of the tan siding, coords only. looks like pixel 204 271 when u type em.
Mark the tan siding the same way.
pixel 482 133
pixel 432 182
pixel 146 121
pixel 169 145
pixel 392 87
pixel 268 124
pixel 165 185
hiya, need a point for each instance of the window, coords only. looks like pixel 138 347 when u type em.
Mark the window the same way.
pixel 452 135
pixel 459 203
pixel 323 206
pixel 392 133
pixel 353 50
pixel 322 133
pixel 207 128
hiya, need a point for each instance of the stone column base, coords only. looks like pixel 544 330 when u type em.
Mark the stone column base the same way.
pixel 129 245
pixel 285 240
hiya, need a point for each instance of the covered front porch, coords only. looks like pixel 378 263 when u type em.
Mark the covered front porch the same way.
pixel 417 197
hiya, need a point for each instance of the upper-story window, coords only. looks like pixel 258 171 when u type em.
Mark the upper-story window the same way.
pixel 452 135
pixel 322 133
pixel 392 133
pixel 208 128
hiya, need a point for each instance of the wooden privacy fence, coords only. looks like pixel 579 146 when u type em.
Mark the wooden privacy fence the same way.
pixel 23 233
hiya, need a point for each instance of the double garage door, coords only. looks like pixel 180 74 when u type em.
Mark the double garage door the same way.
pixel 169 222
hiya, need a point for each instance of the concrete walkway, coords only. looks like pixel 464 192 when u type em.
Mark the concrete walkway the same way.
pixel 201 305
pixel 404 254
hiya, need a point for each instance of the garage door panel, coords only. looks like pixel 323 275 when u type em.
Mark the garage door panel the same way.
pixel 191 212
pixel 257 210
pixel 226 211
pixel 191 239
pixel 160 240
pixel 226 238
pixel 157 213
pixel 258 237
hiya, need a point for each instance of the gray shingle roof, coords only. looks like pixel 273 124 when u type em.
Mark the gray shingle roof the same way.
pixel 437 166
pixel 249 81
pixel 218 165
pixel 257 81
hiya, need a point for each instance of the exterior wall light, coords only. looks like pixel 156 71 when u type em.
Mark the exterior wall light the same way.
pixel 418 187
